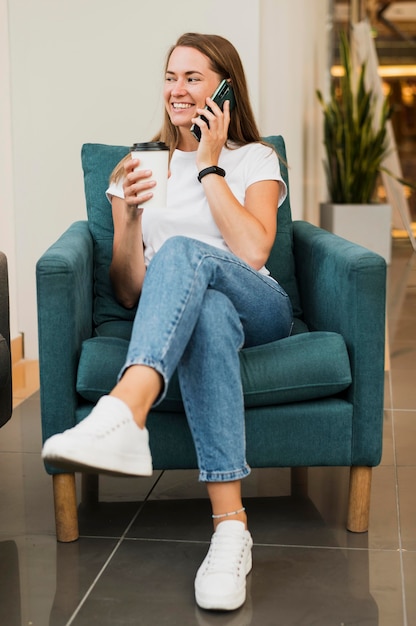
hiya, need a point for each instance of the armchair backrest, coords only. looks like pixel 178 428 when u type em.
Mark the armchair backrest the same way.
pixel 5 349
pixel 281 263
pixel 98 161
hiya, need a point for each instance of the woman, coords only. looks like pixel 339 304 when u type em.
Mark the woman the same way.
pixel 198 266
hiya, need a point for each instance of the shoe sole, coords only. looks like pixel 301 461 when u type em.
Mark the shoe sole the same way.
pixel 226 603
pixel 78 460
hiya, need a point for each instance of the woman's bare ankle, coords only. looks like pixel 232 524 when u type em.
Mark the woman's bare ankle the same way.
pixel 138 388
pixel 139 415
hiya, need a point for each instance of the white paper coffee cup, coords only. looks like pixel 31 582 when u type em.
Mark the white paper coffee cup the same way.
pixel 154 156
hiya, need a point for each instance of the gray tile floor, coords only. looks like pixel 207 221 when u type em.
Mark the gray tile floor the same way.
pixel 141 545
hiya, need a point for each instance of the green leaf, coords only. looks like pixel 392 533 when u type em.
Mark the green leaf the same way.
pixel 355 141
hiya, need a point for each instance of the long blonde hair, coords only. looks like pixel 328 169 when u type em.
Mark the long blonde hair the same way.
pixel 225 61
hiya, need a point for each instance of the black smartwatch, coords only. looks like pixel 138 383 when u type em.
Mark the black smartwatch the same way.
pixel 214 169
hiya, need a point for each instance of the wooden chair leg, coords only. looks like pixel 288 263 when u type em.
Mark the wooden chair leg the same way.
pixel 359 499
pixel 66 515
pixel 299 481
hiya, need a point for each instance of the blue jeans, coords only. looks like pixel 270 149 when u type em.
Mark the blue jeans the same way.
pixel 198 307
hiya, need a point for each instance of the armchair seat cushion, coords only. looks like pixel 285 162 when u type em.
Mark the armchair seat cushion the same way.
pixel 298 368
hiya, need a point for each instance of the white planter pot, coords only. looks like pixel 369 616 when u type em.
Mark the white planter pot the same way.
pixel 369 225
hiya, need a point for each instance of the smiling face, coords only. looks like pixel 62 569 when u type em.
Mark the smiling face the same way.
pixel 189 81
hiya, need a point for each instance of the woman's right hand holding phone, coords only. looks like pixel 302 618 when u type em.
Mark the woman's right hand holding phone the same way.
pixel 214 136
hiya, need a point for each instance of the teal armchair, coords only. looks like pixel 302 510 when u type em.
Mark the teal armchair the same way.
pixel 312 399
pixel 6 401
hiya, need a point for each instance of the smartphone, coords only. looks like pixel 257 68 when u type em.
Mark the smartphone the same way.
pixel 223 92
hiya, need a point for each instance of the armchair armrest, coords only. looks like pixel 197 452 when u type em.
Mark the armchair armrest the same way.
pixel 4 301
pixel 343 289
pixel 64 278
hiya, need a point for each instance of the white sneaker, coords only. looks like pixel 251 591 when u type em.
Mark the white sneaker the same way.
pixel 220 582
pixel 107 440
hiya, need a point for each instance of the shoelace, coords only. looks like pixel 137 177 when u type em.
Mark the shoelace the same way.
pixel 225 554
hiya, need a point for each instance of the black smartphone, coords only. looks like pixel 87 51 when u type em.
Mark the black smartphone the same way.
pixel 223 92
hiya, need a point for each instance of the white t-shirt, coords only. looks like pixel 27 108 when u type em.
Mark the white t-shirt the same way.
pixel 187 212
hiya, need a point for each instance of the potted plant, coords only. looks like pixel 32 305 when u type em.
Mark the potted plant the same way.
pixel 356 142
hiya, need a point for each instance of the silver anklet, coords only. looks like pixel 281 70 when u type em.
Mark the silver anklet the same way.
pixel 229 514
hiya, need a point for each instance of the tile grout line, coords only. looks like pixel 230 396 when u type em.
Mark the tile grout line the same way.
pixel 396 481
pixel 116 547
pixel 257 544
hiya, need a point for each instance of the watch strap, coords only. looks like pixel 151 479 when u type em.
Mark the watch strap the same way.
pixel 213 169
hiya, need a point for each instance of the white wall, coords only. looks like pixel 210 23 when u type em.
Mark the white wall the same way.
pixel 7 221
pixel 91 71
pixel 293 47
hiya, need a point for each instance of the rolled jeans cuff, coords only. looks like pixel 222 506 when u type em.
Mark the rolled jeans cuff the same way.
pixel 208 476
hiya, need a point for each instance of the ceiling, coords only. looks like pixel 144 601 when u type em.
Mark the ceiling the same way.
pixel 393 24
